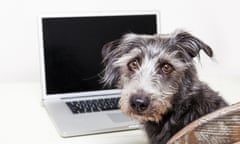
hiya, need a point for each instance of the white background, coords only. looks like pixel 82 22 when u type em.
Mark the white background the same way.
pixel 217 22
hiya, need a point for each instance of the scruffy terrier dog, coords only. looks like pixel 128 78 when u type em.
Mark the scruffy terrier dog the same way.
pixel 159 82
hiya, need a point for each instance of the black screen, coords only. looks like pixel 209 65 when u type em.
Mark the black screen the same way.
pixel 72 48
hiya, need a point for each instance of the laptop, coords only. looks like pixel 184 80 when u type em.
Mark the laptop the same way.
pixel 73 95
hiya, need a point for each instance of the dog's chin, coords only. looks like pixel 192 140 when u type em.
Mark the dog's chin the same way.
pixel 153 114
pixel 143 119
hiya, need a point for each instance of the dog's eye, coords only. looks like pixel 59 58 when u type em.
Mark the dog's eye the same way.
pixel 167 68
pixel 133 64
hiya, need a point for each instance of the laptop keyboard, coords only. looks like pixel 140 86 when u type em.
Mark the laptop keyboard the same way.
pixel 95 105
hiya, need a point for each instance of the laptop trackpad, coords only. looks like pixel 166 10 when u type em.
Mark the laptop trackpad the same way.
pixel 118 117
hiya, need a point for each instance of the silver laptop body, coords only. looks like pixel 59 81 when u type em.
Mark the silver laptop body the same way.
pixel 71 68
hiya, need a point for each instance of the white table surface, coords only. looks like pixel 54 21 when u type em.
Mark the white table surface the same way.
pixel 24 120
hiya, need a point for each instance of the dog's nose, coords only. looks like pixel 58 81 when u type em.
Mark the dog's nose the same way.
pixel 139 103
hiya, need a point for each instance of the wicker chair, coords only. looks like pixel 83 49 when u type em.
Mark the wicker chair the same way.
pixel 219 127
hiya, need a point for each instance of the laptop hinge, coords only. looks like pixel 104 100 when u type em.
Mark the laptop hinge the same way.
pixel 90 96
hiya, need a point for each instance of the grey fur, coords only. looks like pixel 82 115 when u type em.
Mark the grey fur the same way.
pixel 176 98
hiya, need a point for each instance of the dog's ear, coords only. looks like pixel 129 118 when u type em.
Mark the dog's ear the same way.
pixel 109 53
pixel 109 47
pixel 191 44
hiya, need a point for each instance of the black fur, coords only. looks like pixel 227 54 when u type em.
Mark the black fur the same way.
pixel 189 104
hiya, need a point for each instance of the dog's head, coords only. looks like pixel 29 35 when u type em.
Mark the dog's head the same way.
pixel 150 70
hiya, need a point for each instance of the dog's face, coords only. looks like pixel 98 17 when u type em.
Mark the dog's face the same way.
pixel 150 70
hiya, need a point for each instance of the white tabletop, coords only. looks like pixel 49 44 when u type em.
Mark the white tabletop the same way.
pixel 24 120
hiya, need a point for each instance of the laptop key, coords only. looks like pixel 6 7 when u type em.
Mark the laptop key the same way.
pixel 72 107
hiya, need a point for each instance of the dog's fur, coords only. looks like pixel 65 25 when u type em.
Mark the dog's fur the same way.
pixel 173 97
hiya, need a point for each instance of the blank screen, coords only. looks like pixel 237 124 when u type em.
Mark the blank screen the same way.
pixel 72 48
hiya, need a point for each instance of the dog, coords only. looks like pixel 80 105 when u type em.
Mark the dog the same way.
pixel 159 82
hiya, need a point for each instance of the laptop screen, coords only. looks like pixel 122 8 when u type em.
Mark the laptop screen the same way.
pixel 72 48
